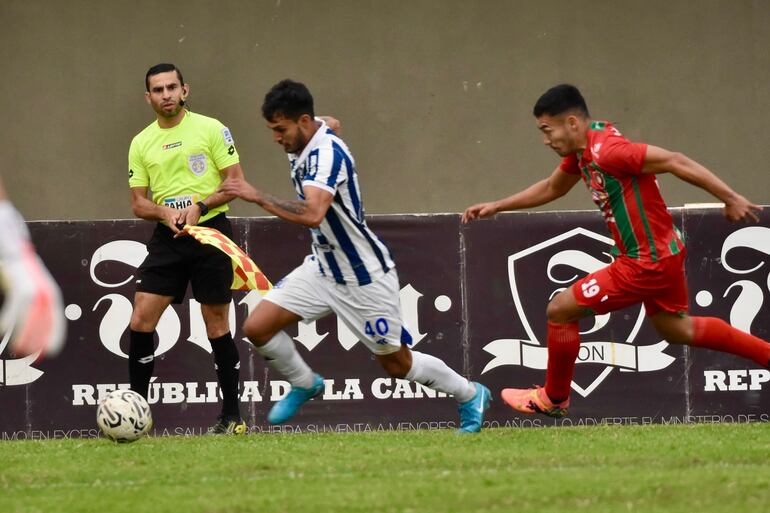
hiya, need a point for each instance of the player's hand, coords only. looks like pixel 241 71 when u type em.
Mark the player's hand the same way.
pixel 741 209
pixel 332 123
pixel 480 211
pixel 239 188
pixel 32 311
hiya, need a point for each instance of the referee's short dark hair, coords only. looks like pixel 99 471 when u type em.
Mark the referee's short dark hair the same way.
pixel 288 99
pixel 161 68
pixel 560 99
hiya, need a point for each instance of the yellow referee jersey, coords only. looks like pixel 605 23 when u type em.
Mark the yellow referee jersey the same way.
pixel 181 165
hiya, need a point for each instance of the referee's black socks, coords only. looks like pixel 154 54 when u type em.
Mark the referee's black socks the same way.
pixel 228 366
pixel 141 360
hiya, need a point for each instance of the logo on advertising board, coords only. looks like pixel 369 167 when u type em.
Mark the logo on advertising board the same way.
pixel 169 329
pixel 559 265
pixel 743 253
pixel 17 371
pixel 751 296
pixel 114 309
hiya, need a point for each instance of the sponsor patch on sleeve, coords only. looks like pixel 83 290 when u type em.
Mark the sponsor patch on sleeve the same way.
pixel 228 137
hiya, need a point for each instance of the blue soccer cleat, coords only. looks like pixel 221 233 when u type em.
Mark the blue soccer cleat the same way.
pixel 472 412
pixel 287 407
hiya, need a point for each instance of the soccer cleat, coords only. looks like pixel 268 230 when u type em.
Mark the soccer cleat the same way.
pixel 534 400
pixel 228 426
pixel 472 412
pixel 287 407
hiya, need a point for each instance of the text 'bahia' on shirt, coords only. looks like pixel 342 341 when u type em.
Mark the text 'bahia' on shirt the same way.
pixel 346 250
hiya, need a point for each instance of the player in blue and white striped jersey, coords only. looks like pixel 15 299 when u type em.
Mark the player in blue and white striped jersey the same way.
pixel 344 247
pixel 350 271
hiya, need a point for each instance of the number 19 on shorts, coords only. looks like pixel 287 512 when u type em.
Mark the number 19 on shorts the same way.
pixel 590 288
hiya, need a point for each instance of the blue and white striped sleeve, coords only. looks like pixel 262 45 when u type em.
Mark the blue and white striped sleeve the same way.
pixel 326 169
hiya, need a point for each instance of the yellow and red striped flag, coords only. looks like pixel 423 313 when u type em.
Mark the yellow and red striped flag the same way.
pixel 246 274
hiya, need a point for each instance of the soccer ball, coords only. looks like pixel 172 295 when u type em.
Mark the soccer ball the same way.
pixel 124 416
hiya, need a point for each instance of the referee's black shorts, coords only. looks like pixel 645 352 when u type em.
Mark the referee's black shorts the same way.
pixel 173 263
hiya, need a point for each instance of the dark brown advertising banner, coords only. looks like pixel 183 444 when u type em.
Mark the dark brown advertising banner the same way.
pixel 625 374
pixel 728 272
pixel 359 395
pixel 473 295
pixel 95 263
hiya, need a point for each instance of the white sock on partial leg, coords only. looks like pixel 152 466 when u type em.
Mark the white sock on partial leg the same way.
pixel 282 355
pixel 434 373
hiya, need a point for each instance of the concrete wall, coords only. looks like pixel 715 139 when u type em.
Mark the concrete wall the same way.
pixel 435 96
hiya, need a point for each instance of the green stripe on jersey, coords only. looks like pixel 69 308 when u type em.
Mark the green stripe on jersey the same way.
pixel 673 246
pixel 620 213
pixel 643 215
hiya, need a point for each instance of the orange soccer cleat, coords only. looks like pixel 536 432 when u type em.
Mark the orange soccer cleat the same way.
pixel 534 400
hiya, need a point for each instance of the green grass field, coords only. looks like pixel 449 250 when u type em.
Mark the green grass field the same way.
pixel 688 468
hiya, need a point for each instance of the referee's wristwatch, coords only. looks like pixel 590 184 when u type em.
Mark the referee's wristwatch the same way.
pixel 203 207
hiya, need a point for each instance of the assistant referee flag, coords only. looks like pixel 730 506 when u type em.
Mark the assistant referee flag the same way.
pixel 246 274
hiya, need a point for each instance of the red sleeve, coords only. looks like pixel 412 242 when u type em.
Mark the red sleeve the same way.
pixel 622 157
pixel 569 164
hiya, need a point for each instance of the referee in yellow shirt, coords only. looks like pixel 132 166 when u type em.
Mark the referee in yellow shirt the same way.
pixel 182 157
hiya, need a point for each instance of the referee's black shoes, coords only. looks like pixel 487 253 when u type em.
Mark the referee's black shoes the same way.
pixel 228 426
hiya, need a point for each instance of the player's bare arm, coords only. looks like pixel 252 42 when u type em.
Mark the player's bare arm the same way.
pixel 539 193
pixel 737 207
pixel 308 212
pixel 192 214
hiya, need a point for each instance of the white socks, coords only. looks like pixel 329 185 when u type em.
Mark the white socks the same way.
pixel 434 373
pixel 281 353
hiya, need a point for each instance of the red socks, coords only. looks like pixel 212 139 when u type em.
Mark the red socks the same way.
pixel 708 332
pixel 563 346
pixel 716 334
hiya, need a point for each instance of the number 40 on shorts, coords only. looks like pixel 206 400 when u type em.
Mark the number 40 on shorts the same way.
pixel 380 325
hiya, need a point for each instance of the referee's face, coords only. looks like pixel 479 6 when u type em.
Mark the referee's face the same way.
pixel 166 94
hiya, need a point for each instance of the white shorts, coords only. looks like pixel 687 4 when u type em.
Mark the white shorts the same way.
pixel 372 311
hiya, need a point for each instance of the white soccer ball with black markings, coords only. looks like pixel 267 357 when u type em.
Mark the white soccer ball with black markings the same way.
pixel 124 416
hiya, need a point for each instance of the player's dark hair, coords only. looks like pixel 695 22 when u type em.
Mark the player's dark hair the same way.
pixel 288 99
pixel 560 99
pixel 161 68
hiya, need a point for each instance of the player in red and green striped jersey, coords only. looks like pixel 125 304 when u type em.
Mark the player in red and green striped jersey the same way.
pixel 649 263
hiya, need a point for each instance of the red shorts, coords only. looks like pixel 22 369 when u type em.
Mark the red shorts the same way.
pixel 660 285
